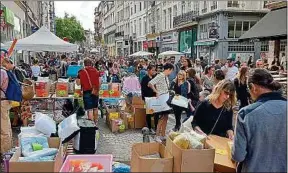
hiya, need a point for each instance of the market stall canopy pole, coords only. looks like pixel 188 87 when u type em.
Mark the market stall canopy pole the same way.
pixel 43 40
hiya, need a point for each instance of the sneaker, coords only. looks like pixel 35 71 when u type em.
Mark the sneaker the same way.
pixel 152 132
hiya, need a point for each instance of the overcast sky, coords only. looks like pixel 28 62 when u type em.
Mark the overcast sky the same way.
pixel 83 10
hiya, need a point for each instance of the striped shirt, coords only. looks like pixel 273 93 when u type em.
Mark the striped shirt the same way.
pixel 161 82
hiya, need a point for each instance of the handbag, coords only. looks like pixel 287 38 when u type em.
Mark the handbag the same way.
pixel 27 90
pixel 94 90
pixel 216 122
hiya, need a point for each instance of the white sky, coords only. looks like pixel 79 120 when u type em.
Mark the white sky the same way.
pixel 83 10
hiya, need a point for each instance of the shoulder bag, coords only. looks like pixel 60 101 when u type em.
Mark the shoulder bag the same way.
pixel 94 90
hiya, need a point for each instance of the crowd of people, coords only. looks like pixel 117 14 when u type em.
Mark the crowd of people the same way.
pixel 213 90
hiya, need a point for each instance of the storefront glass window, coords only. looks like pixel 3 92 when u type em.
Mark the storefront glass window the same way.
pixel 245 27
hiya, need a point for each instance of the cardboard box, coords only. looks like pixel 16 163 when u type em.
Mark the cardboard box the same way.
pixel 191 160
pixel 125 117
pixel 142 164
pixel 222 162
pixel 137 101
pixel 139 116
pixel 52 166
pixel 114 125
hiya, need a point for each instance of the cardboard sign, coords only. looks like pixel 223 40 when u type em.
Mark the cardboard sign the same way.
pixel 154 105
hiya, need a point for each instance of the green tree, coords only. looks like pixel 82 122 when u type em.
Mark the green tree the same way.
pixel 70 28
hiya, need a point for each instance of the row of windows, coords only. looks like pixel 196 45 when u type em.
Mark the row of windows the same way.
pixel 240 47
pixel 283 44
pixel 237 28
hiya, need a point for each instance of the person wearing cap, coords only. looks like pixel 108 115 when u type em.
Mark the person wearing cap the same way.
pixel 230 70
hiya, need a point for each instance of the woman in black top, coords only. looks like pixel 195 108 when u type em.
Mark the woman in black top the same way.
pixel 241 87
pixel 215 115
pixel 186 64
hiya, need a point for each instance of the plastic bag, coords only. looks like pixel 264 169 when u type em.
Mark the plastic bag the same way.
pixel 120 167
pixel 45 124
pixel 197 136
pixel 182 141
pixel 26 144
pixel 67 128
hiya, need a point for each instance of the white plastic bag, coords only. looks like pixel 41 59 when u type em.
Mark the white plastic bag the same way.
pixel 45 124
pixel 186 126
pixel 67 127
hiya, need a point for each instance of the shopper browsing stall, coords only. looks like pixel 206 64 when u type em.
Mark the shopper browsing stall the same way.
pixel 160 85
pixel 148 92
pixel 6 131
pixel 240 83
pixel 214 115
pixel 89 80
pixel 260 143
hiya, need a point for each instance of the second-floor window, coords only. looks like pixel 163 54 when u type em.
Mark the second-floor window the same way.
pixel 165 21
pixel 204 10
pixel 237 28
pixel 175 11
pixel 214 5
pixel 170 17
pixel 233 4
pixel 140 6
pixel 140 26
pixel 183 7
pixel 203 31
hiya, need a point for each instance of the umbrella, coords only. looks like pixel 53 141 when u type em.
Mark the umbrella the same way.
pixel 169 53
pixel 142 53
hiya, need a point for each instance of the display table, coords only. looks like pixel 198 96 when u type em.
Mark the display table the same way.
pixel 49 96
pixel 222 162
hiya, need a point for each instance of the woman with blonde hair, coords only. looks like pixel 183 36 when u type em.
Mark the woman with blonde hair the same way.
pixel 214 115
pixel 240 83
pixel 181 87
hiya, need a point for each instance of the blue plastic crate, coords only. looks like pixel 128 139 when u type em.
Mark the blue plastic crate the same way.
pixel 73 70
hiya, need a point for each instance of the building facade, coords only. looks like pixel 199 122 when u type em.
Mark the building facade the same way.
pixel 199 28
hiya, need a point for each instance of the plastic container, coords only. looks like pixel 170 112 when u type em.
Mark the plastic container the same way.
pixel 62 89
pixel 42 89
pixel 73 70
pixel 105 160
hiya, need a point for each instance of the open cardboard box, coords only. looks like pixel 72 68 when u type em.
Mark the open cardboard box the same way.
pixel 222 162
pixel 139 116
pixel 142 164
pixel 48 166
pixel 191 160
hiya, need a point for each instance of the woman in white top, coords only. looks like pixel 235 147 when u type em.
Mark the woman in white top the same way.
pixel 36 70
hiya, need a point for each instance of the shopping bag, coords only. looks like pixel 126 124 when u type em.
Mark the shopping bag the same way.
pixel 180 101
pixel 154 104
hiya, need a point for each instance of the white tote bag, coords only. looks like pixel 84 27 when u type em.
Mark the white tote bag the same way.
pixel 180 101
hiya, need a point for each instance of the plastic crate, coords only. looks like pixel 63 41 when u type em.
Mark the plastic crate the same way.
pixel 105 160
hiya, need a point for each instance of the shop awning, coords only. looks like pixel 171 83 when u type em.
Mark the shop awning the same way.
pixel 273 24
pixel 204 43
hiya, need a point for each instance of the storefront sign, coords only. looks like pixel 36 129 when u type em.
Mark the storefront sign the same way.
pixel 206 43
pixel 185 18
pixel 213 30
pixel 9 16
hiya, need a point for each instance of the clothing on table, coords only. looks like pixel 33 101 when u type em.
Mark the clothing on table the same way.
pixel 4 83
pixel 206 116
pixel 84 80
pixel 131 84
pixel 260 142
pixel 6 131
pixel 161 82
pixel 231 72
pixel 242 93
pixel 36 70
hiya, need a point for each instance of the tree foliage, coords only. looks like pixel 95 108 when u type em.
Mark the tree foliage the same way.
pixel 70 28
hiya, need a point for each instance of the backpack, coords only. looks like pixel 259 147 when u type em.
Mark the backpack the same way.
pixel 13 92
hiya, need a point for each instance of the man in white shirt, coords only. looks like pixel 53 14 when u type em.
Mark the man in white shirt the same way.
pixel 230 70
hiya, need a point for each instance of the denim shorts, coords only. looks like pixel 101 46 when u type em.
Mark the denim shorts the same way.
pixel 90 100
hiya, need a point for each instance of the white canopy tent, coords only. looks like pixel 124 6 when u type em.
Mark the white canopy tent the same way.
pixel 170 53
pixel 141 53
pixel 41 41
pixel 2 45
pixel 95 50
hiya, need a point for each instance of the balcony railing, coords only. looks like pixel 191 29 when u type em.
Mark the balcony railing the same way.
pixel 185 18
pixel 233 4
pixel 204 10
